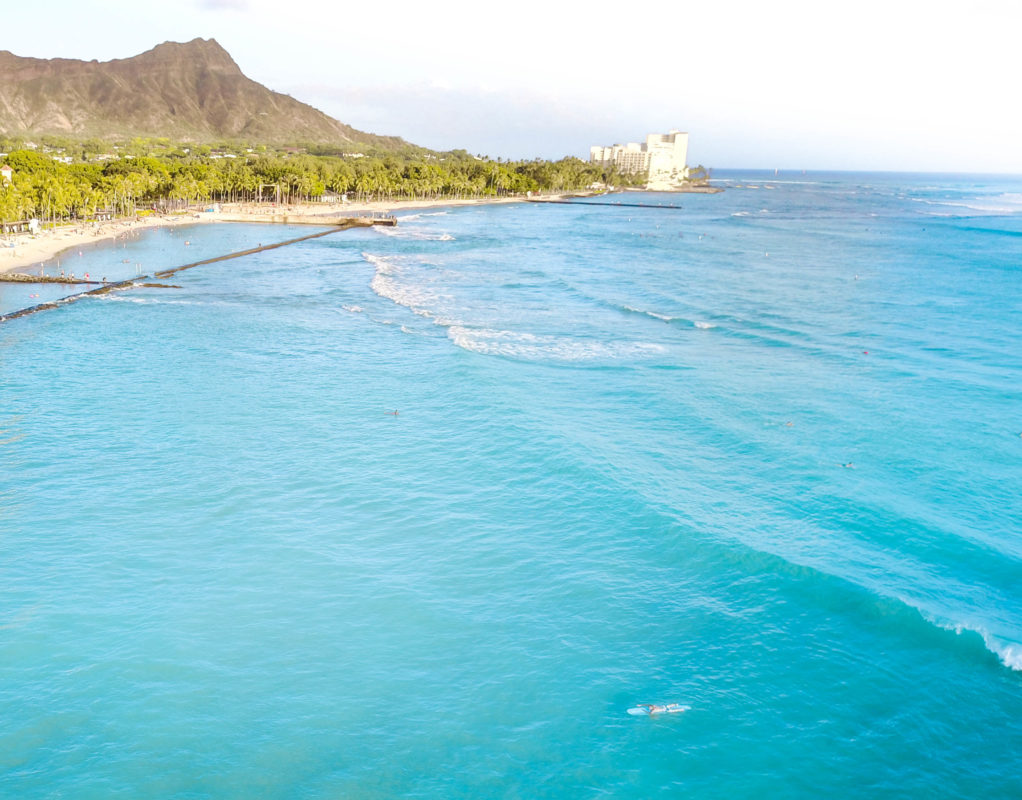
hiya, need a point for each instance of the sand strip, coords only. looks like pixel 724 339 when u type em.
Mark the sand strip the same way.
pixel 28 252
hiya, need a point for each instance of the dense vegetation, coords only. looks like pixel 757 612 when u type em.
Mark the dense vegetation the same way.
pixel 93 175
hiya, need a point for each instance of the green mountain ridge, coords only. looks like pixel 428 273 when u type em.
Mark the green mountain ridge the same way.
pixel 190 91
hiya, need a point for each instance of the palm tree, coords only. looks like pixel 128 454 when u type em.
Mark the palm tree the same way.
pixel 365 185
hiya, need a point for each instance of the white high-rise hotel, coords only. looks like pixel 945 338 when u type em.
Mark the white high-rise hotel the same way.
pixel 663 154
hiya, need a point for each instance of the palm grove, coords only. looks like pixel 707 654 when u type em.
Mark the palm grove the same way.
pixel 52 190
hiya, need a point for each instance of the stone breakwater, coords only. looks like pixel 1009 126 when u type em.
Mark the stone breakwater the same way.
pixel 21 277
pixel 339 224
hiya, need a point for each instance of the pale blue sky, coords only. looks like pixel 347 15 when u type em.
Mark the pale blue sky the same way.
pixel 875 84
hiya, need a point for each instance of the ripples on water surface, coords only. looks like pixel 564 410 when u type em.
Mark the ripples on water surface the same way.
pixel 759 456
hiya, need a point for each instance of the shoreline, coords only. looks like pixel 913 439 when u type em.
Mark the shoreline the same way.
pixel 34 251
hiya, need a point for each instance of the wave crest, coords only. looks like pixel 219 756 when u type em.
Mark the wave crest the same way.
pixel 415 234
pixel 535 347
pixel 1008 653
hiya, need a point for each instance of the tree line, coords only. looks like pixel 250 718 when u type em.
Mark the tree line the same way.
pixel 51 190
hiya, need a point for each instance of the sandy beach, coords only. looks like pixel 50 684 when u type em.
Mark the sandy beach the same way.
pixel 28 253
pixel 23 252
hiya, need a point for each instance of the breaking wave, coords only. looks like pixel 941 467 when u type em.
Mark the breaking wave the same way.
pixel 406 217
pixel 400 279
pixel 652 314
pixel 532 347
pixel 1008 653
pixel 388 283
pixel 1005 203
pixel 414 234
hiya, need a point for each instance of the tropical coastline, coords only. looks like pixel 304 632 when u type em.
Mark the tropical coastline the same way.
pixel 343 464
pixel 34 253
pixel 794 542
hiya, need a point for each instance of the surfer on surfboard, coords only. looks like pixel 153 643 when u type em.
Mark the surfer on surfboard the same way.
pixel 649 709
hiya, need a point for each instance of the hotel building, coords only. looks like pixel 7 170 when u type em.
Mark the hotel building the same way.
pixel 664 155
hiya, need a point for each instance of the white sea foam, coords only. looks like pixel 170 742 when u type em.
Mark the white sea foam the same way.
pixel 402 280
pixel 1009 653
pixel 405 217
pixel 534 347
pixel 379 262
pixel 704 326
pixel 652 314
pixel 1006 203
pixel 767 180
pixel 353 309
pixel 415 234
pixel 116 297
pixel 390 283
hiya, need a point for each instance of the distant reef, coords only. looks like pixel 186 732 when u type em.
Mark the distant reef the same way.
pixel 192 91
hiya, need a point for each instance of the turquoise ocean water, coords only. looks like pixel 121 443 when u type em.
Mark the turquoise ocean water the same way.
pixel 760 455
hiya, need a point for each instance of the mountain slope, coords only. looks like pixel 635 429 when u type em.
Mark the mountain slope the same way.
pixel 190 91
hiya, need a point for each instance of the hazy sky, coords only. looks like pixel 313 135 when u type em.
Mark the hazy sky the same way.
pixel 874 84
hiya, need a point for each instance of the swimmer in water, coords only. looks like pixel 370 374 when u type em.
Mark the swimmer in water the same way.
pixel 392 413
pixel 849 465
